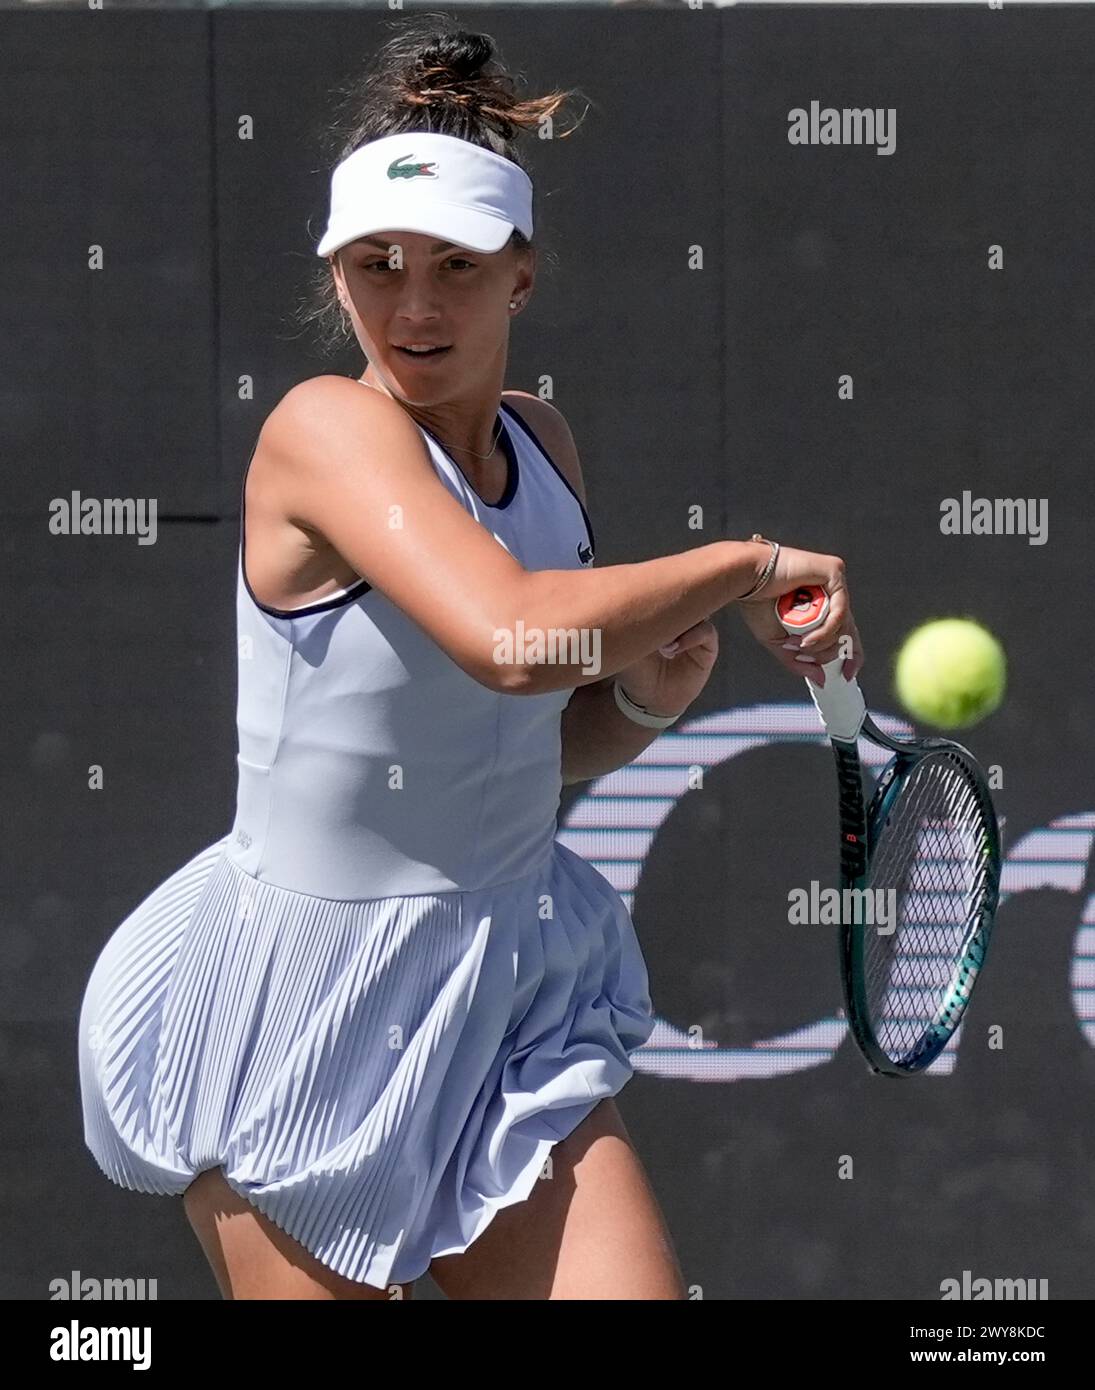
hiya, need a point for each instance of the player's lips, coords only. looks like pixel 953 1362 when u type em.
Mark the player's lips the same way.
pixel 422 352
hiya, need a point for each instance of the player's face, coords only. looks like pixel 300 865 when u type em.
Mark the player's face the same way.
pixel 408 289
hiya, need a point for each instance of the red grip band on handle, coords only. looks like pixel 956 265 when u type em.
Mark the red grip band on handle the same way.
pixel 802 610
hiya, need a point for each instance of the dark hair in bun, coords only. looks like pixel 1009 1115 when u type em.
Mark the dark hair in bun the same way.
pixel 430 75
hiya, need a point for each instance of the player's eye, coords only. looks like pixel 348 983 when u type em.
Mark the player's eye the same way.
pixel 387 265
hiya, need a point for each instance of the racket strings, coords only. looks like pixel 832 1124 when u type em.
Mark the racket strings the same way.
pixel 932 864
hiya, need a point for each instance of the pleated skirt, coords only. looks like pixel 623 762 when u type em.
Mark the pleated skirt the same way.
pixel 379 1076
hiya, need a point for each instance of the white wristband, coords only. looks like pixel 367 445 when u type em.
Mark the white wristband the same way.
pixel 637 714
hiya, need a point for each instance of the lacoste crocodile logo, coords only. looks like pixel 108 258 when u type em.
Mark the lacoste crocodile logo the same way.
pixel 585 553
pixel 400 169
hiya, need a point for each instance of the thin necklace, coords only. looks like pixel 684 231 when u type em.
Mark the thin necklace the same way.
pixel 462 448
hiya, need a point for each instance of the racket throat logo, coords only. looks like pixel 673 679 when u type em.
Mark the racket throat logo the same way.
pixel 818 906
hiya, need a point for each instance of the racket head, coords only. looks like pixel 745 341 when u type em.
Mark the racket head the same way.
pixel 933 849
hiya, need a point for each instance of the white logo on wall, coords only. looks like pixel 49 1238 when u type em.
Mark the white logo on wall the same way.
pixel 614 823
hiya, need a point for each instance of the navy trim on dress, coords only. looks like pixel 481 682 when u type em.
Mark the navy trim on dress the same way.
pixel 362 586
pixel 533 436
pixel 513 470
pixel 359 588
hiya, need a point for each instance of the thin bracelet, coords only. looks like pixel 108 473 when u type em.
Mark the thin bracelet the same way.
pixel 766 573
pixel 637 713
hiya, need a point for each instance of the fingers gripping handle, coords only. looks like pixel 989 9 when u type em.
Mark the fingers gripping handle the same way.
pixel 839 702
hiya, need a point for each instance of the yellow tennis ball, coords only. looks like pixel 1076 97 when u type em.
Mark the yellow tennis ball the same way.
pixel 950 673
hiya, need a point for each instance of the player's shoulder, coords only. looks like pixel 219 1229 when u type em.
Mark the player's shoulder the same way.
pixel 549 425
pixel 323 412
pixel 317 395
pixel 315 427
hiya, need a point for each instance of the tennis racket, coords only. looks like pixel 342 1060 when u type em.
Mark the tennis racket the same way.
pixel 930 835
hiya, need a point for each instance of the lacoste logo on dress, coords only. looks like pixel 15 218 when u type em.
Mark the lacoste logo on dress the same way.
pixel 242 838
pixel 585 553
pixel 400 169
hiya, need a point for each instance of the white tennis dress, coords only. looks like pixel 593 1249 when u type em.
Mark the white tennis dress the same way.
pixel 381 998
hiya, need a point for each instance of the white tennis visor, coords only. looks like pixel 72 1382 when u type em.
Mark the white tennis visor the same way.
pixel 438 185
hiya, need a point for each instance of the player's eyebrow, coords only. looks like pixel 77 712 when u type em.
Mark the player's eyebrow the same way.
pixel 434 249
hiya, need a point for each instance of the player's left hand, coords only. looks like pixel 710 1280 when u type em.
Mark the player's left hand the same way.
pixel 668 684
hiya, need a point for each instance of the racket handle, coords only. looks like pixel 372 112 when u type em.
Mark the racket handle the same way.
pixel 839 702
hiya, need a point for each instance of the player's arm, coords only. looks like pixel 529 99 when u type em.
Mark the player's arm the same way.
pixel 596 737
pixel 350 465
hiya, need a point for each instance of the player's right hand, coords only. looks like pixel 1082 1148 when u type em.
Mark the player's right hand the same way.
pixel 837 635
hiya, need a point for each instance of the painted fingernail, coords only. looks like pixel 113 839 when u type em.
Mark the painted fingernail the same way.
pixel 670 650
pixel 790 646
pixel 811 659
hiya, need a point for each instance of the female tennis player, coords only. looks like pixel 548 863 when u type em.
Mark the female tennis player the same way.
pixel 352 1032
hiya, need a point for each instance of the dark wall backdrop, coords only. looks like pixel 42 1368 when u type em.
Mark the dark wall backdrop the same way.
pixel 712 386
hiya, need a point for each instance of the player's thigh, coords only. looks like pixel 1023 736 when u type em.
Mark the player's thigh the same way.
pixel 252 1258
pixel 593 1229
